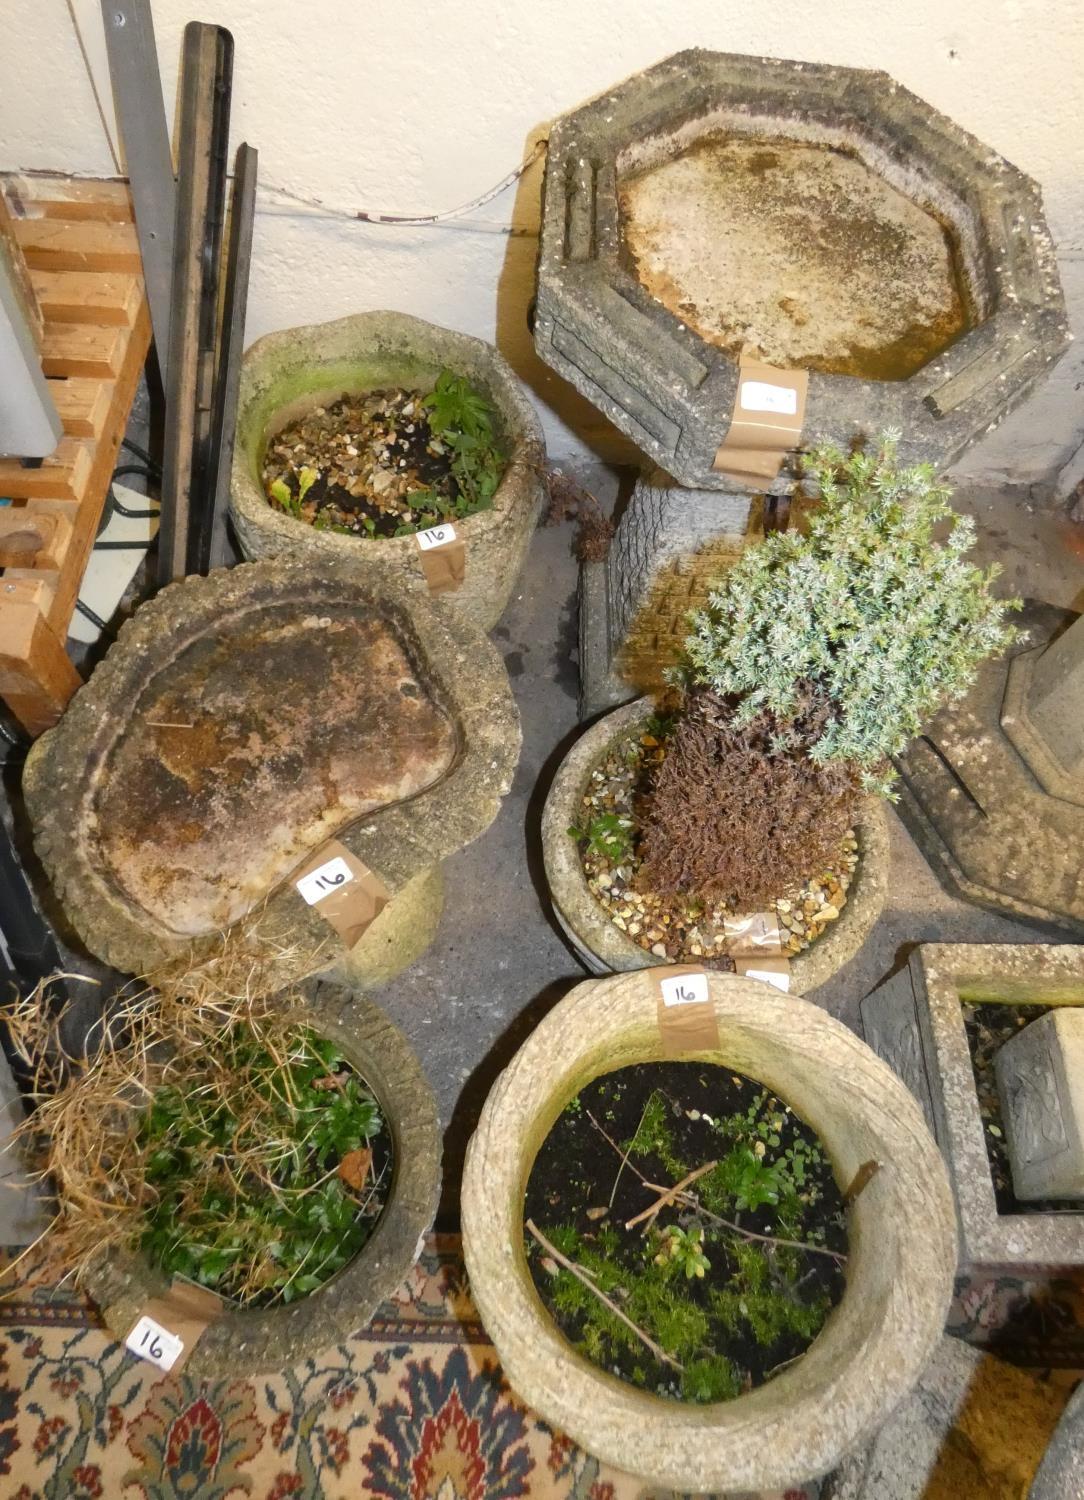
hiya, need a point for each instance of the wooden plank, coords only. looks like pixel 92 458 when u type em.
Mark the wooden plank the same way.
pixel 74 349
pixel 33 539
pixel 12 256
pixel 85 525
pixel 34 196
pixel 112 299
pixel 64 475
pixel 73 245
pixel 83 405
pixel 37 678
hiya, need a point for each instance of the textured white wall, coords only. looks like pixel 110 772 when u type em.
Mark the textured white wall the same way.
pixel 411 108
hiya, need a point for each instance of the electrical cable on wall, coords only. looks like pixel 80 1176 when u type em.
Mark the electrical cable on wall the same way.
pixel 450 216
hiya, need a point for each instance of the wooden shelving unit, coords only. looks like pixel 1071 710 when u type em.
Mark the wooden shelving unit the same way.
pixel 78 240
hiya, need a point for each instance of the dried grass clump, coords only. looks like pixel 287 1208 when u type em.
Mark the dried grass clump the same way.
pixel 194 1032
pixel 738 812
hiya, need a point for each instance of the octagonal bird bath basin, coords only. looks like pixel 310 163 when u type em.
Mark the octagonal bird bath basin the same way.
pixel 810 216
pixel 241 725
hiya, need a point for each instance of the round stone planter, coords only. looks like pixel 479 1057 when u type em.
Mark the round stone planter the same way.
pixel 243 1342
pixel 288 373
pixel 901 1229
pixel 605 949
pixel 242 721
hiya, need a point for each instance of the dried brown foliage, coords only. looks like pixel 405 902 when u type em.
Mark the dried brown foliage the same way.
pixel 82 1138
pixel 570 501
pixel 732 816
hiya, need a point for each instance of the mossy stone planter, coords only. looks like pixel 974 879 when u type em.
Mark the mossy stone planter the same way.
pixel 239 723
pixel 243 1342
pixel 605 949
pixel 901 1228
pixel 288 373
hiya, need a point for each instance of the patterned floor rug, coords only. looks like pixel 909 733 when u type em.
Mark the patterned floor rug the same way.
pixel 413 1408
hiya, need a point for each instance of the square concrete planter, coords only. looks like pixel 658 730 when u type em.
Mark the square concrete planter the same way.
pixel 915 1022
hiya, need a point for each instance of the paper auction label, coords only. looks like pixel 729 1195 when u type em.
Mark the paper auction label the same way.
pixel 684 989
pixel 684 1009
pixel 436 536
pixel 758 395
pixel 325 879
pixel 151 1341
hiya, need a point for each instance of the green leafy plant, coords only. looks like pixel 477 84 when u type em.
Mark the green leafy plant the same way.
pixel 607 835
pixel 685 1247
pixel 463 421
pixel 247 1199
pixel 285 498
pixel 207 1126
pixel 868 611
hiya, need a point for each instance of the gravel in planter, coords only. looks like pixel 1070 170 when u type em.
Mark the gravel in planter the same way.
pixel 675 929
pixel 286 376
pixel 604 947
pixel 388 463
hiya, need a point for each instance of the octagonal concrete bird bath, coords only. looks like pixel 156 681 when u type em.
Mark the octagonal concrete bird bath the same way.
pixel 241 722
pixel 813 217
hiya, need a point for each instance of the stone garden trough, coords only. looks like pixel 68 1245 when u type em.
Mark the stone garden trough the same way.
pixel 286 374
pixel 603 948
pixel 247 1341
pixel 915 1021
pixel 242 721
pixel 815 216
pixel 901 1241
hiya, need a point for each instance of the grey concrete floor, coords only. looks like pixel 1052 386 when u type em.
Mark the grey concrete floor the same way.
pixel 498 962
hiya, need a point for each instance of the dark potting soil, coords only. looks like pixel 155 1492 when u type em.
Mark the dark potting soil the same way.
pixel 379 469
pixel 988 1028
pixel 730 1309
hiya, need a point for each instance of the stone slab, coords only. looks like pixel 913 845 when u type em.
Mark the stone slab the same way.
pixel 973 1428
pixel 915 1022
pixel 1040 1080
pixel 980 814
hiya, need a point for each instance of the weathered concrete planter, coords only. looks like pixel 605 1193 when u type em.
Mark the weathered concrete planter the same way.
pixel 242 1342
pixel 902 1241
pixel 285 374
pixel 239 723
pixel 915 1021
pixel 604 948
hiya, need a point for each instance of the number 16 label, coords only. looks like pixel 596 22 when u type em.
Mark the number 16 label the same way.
pixel 436 536
pixel 684 989
pixel 324 879
pixel 151 1341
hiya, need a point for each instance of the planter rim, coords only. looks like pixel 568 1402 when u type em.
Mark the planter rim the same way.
pixel 902 1241
pixel 604 948
pixel 254 1340
pixel 396 842
pixel 528 451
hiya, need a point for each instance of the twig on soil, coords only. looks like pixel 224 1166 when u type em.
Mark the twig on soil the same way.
pixel 581 1276
pixel 667 1195
pixel 624 1155
pixel 694 1203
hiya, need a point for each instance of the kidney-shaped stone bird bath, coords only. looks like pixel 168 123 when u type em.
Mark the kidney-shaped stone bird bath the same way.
pixel 241 724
